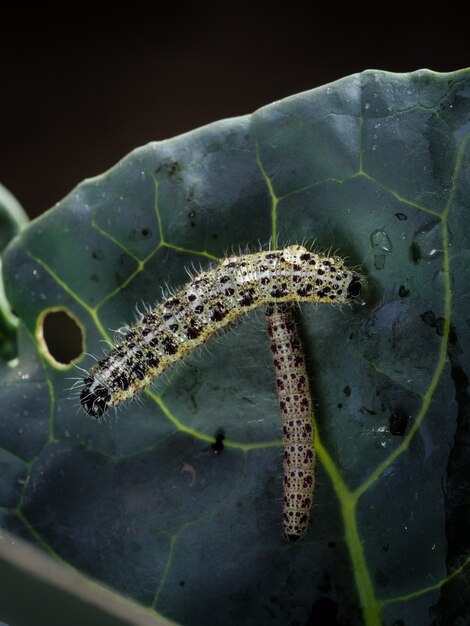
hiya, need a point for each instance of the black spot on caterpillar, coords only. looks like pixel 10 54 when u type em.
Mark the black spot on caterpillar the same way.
pixel 204 306
pixel 296 408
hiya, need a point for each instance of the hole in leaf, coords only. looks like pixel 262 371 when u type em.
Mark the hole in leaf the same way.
pixel 60 336
pixel 415 253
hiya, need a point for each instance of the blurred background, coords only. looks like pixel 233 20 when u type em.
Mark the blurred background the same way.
pixel 80 91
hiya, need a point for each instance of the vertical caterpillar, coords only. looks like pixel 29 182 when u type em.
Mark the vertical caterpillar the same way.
pixel 296 408
pixel 204 306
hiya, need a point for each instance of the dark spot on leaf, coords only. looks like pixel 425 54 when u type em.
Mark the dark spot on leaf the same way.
pixel 364 409
pixel 429 318
pixel 140 233
pixel 398 423
pixel 172 168
pixel 218 444
pixel 415 253
pixel 401 216
pixel 98 255
pixel 440 330
pixel 403 292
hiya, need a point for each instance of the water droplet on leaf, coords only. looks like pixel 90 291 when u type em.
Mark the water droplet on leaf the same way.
pixel 428 241
pixel 380 240
pixel 379 261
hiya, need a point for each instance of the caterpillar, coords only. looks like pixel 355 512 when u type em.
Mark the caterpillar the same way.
pixel 204 306
pixel 296 408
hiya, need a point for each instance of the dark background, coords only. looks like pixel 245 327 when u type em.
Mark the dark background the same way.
pixel 80 91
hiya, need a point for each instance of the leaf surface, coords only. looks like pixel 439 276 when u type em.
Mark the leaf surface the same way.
pixel 12 219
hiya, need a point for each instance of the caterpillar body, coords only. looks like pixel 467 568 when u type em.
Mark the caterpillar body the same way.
pixel 204 306
pixel 296 408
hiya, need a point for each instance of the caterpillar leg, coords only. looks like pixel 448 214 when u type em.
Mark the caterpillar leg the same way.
pixel 296 408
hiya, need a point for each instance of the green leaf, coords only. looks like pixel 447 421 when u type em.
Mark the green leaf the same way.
pixel 12 219
pixel 376 165
pixel 50 593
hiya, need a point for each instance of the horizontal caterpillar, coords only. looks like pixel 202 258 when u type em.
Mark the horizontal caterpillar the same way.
pixel 207 304
pixel 295 403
